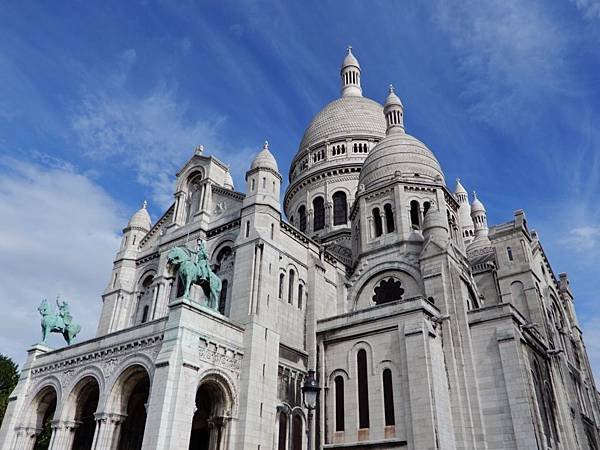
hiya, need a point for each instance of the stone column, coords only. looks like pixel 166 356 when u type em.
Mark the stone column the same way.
pixel 107 430
pixel 384 229
pixel 26 437
pixel 63 435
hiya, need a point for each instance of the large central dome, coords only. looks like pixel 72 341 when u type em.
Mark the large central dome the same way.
pixel 346 116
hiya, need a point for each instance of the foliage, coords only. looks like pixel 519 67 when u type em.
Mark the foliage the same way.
pixel 9 376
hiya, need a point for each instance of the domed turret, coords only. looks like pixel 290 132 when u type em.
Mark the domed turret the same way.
pixel 394 112
pixel 265 159
pixel 399 154
pixel 478 214
pixel 350 73
pixel 464 212
pixel 141 219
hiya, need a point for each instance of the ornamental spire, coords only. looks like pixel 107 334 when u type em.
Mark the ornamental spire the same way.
pixel 394 112
pixel 350 74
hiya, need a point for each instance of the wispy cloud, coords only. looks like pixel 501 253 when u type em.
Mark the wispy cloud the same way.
pixel 590 8
pixel 152 133
pixel 59 233
pixel 508 52
pixel 584 238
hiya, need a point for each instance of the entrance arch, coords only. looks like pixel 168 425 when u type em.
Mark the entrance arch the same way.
pixel 129 399
pixel 210 420
pixel 44 407
pixel 85 396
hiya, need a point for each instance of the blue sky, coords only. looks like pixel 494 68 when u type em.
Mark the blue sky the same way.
pixel 101 103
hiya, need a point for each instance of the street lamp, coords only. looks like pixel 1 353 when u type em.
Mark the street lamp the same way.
pixel 310 393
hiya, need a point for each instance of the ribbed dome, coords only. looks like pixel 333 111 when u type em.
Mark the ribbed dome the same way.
pixel 141 219
pixel 265 160
pixel 400 152
pixel 476 206
pixel 346 116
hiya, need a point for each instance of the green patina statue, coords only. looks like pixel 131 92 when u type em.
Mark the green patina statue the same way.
pixel 58 323
pixel 194 268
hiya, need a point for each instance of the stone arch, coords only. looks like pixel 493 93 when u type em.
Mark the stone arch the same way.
pixel 42 410
pixel 70 388
pixel 81 406
pixel 215 403
pixel 188 175
pixel 361 295
pixel 337 372
pixel 351 357
pixel 128 399
pixel 144 296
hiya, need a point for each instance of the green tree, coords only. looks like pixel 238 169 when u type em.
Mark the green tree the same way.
pixel 9 375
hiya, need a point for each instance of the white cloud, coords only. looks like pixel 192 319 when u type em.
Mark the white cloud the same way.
pixel 59 235
pixel 590 8
pixel 508 51
pixel 151 133
pixel 584 237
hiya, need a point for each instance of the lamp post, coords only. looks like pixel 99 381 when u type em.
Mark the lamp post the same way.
pixel 310 393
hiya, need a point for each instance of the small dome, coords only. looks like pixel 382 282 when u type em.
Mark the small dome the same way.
pixel 141 219
pixel 459 189
pixel 350 59
pixel 228 182
pixel 264 160
pixel 392 98
pixel 476 206
pixel 345 117
pixel 400 154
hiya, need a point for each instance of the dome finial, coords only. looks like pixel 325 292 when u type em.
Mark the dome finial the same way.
pixel 266 145
pixel 392 90
pixel 145 205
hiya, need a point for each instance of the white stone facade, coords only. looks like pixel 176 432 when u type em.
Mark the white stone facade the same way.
pixel 428 329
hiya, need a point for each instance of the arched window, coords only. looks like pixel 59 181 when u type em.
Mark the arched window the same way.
pixel 340 208
pixel 223 296
pixel 388 398
pixel 426 207
pixel 363 389
pixel 414 214
pixel 281 285
pixel 282 431
pixel 319 214
pixel 300 294
pixel 302 218
pixel 377 225
pixel 389 217
pixel 194 195
pixel 339 403
pixel 145 314
pixel 291 286
pixel 509 253
pixel 297 432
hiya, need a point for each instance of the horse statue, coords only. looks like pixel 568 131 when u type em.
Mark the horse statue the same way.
pixel 195 269
pixel 58 323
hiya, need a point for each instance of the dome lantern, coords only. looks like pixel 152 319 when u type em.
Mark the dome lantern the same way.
pixel 394 112
pixel 350 74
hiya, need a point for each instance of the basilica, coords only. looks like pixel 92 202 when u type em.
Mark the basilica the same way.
pixel 370 284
